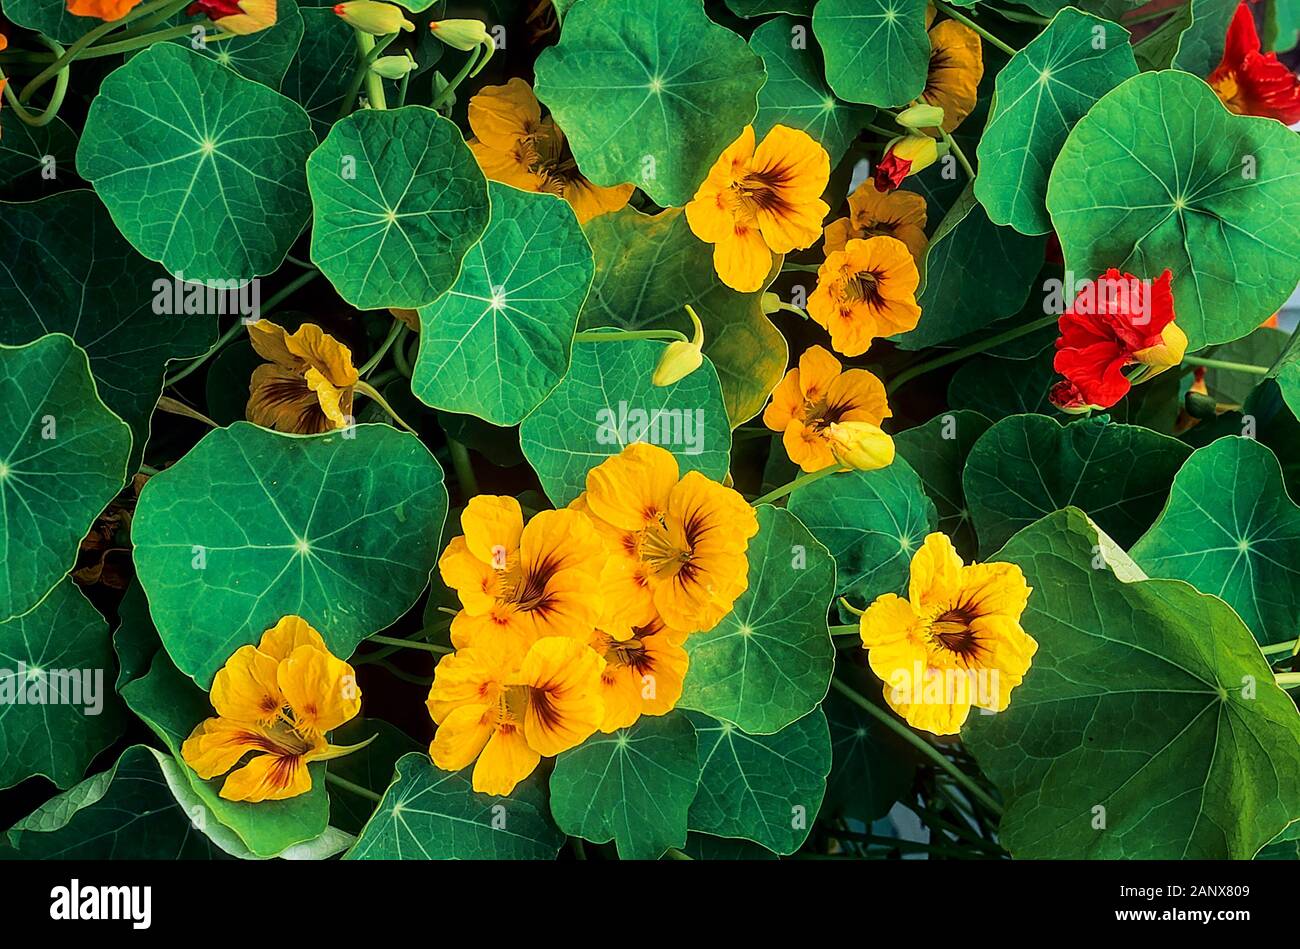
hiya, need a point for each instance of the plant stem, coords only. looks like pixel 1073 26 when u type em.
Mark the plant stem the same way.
pixel 1287 680
pixel 791 308
pixel 409 644
pixel 672 853
pixel 799 482
pixel 172 406
pixel 907 375
pixel 464 469
pixel 1149 15
pixel 366 50
pixel 610 336
pixel 195 363
pixel 1222 364
pixel 918 742
pixel 288 290
pixel 371 393
pixel 356 789
pixel 393 333
pixel 961 18
pixel 56 98
pixel 800 268
pixel 1291 645
pixel 450 89
pixel 959 154
pixel 1017 17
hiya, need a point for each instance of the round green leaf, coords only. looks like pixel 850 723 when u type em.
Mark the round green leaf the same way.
pixel 648 92
pixel 607 401
pixel 633 787
pixel 105 297
pixel 399 199
pixel 320 74
pixel 997 388
pixel 877 51
pixel 1244 548
pixel 871 767
pixel 1148 705
pixel 872 522
pixel 769 661
pixel 500 339
pixel 34 160
pixel 57 705
pixel 649 268
pixel 1045 89
pixel 796 94
pixel 63 457
pixel 263 56
pixel 1159 174
pixel 764 788
pixel 428 814
pixel 200 168
pixel 937 452
pixel 252 525
pixel 1027 466
pixel 708 847
pixel 371 767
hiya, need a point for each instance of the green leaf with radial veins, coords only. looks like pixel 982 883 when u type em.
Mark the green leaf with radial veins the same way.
pixel 796 94
pixel 607 401
pixel 371 767
pixel 649 268
pixel 1148 704
pixel 321 71
pixel 877 51
pixel 937 452
pixel 500 339
pixel 1159 174
pixel 1027 466
pixel 872 522
pixel 1241 544
pixel 64 268
pixel 63 457
pixel 399 200
pixel 253 525
pixel 649 93
pixel 60 714
pixel 1045 89
pixel 263 56
pixel 29 154
pixel 769 661
pixel 428 814
pixel 759 786
pixel 871 766
pixel 634 787
pixel 200 168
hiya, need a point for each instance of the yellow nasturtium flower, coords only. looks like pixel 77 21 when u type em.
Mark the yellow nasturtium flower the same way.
pixel 521 583
pixel 643 673
pixel 277 700
pixel 956 641
pixel 760 201
pixel 305 387
pixel 675 546
pixel 866 290
pixel 956 68
pixel 872 213
pixel 818 394
pixel 508 707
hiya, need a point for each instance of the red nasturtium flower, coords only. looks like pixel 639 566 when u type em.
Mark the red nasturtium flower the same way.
pixel 1253 83
pixel 1116 321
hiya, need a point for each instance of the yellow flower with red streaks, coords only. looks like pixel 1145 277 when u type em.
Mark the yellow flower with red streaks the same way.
pixel 872 213
pixel 521 583
pixel 506 707
pixel 276 700
pixel 643 673
pixel 866 290
pixel 240 17
pixel 954 643
pixel 675 546
pixel 515 145
pixel 818 394
pixel 956 68
pixel 305 387
pixel 761 201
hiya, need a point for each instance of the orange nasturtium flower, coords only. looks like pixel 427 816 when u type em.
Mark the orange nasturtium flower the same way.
pixel 237 16
pixel 675 546
pixel 956 68
pixel 305 387
pixel 106 10
pixel 866 290
pixel 757 202
pixel 515 145
pixel 817 395
pixel 643 673
pixel 277 699
pixel 521 583
pixel 955 642
pixel 899 214
pixel 508 707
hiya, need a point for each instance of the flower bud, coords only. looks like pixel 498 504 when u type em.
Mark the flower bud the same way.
pixel 770 302
pixel 905 155
pixel 922 116
pixel 463 35
pixel 392 67
pixel 370 16
pixel 681 358
pixel 1065 395
pixel 860 445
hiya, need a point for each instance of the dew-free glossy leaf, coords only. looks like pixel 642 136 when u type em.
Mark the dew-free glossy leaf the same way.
pixel 876 51
pixel 320 73
pixel 1159 174
pixel 1145 699
pixel 429 814
pixel 607 401
pixel 500 339
pixel 252 525
pixel 371 767
pixel 1045 89
pixel 200 168
pixel 758 786
pixel 649 268
pixel 649 92
pixel 633 787
pixel 937 452
pixel 63 457
pixel 769 661
pixel 398 199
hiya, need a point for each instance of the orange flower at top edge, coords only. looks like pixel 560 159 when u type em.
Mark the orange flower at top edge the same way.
pixel 760 201
pixel 864 291
pixel 1253 83
pixel 956 68
pixel 873 213
pixel 106 10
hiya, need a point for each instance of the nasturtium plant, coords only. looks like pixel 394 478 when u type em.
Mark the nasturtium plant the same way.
pixel 595 430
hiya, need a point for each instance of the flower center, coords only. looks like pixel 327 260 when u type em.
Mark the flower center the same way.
pixel 861 287
pixel 658 548
pixel 951 631
pixel 524 589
